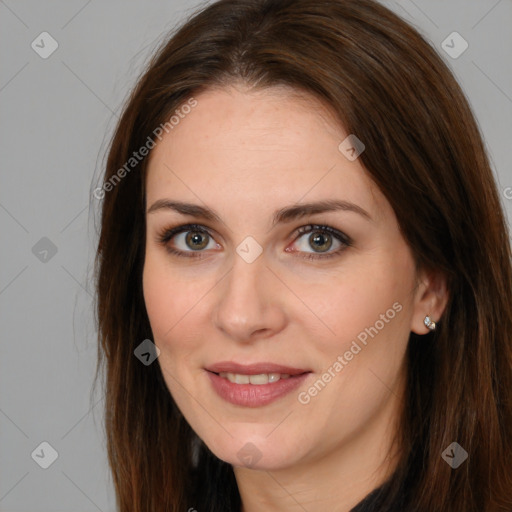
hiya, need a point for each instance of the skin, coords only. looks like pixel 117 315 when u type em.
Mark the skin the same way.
pixel 245 154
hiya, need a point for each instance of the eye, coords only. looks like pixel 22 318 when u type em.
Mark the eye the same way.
pixel 190 240
pixel 321 239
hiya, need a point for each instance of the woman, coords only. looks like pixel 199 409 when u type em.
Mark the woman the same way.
pixel 304 273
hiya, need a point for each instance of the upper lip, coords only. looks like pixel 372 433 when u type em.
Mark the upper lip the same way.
pixel 254 368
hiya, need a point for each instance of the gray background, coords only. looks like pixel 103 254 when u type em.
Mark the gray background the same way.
pixel 57 115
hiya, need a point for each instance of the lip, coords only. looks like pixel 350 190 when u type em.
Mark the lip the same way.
pixel 254 368
pixel 252 395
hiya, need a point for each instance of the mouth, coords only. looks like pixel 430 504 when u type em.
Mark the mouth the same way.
pixel 256 384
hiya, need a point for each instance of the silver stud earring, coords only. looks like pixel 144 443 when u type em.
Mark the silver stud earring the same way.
pixel 430 323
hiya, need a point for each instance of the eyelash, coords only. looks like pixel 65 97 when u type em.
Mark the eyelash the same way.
pixel 166 235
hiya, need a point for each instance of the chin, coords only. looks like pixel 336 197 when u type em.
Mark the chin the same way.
pixel 255 452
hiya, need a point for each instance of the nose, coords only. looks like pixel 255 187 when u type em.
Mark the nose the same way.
pixel 248 302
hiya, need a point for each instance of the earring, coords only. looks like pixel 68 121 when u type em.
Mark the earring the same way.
pixel 430 323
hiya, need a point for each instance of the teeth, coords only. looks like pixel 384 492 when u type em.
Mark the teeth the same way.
pixel 262 378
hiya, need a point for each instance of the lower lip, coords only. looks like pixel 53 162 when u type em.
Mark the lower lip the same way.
pixel 254 395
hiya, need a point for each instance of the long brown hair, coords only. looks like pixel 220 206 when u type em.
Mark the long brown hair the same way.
pixel 424 150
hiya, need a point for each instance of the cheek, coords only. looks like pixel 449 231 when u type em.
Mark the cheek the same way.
pixel 360 337
pixel 361 355
pixel 366 300
pixel 172 304
pixel 159 298
pixel 172 301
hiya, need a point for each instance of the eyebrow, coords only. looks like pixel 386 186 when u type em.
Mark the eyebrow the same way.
pixel 287 214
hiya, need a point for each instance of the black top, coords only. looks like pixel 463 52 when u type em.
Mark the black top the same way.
pixel 374 502
pixel 369 503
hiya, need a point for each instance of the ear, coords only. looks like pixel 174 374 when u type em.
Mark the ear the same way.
pixel 430 298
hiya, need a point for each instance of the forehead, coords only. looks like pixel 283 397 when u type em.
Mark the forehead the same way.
pixel 278 118
pixel 253 147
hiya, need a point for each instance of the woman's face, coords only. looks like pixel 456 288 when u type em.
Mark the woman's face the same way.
pixel 245 295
